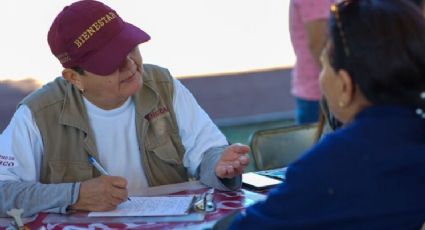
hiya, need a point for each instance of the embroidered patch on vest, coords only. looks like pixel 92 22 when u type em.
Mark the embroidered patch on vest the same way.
pixel 154 114
pixel 7 161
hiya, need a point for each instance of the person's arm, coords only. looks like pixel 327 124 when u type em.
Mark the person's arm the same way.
pixel 314 15
pixel 317 192
pixel 21 152
pixel 296 204
pixel 203 141
pixel 35 197
pixel 21 148
pixel 207 173
pixel 317 36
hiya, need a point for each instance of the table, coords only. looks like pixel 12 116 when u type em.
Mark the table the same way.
pixel 226 202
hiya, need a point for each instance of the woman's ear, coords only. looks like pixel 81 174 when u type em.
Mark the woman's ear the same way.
pixel 74 78
pixel 347 88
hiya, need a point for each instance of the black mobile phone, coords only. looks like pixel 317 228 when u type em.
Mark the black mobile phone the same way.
pixel 258 182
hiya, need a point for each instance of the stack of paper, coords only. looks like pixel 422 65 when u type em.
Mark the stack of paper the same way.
pixel 151 206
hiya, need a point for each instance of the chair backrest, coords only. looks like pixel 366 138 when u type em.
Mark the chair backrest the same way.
pixel 276 148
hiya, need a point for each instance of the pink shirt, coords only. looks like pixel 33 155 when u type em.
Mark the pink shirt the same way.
pixel 305 75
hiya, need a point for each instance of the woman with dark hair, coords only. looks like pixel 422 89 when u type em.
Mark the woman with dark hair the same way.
pixel 370 173
pixel 327 121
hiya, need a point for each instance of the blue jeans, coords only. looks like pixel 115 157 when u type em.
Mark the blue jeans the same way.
pixel 307 111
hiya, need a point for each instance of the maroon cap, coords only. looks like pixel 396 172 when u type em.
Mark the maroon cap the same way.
pixel 91 35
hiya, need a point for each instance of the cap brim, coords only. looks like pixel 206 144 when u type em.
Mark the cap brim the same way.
pixel 109 58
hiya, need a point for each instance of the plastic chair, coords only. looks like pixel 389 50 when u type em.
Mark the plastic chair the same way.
pixel 276 148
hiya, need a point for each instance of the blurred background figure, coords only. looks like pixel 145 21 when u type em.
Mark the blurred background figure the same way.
pixel 307 25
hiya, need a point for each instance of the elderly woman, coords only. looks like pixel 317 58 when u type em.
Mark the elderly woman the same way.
pixel 369 174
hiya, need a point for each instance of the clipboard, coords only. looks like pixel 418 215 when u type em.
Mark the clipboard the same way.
pixel 151 206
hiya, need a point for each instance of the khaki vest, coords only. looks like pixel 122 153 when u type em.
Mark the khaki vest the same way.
pixel 60 114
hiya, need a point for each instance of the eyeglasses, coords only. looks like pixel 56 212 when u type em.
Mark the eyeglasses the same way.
pixel 335 11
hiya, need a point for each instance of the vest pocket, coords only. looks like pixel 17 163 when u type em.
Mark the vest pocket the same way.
pixel 68 171
pixel 167 153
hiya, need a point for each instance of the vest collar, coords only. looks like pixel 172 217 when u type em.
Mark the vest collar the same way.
pixel 71 114
pixel 145 101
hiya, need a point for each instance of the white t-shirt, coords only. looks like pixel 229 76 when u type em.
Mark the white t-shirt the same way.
pixel 21 146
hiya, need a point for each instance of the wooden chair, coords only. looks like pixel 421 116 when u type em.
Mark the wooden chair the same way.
pixel 276 148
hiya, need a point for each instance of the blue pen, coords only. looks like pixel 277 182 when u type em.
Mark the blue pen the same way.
pixel 99 167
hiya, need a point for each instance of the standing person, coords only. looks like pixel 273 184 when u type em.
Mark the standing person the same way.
pixel 307 26
pixel 142 125
pixel 368 174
